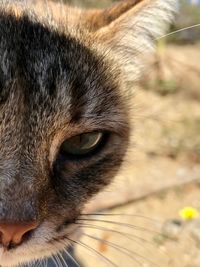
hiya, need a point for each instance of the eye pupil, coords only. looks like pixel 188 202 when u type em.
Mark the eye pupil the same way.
pixel 82 144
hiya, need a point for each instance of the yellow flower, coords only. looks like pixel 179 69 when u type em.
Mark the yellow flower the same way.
pixel 189 213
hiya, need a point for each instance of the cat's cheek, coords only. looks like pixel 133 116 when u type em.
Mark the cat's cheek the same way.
pixel 89 180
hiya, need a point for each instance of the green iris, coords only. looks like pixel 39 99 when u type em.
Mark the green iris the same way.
pixel 82 144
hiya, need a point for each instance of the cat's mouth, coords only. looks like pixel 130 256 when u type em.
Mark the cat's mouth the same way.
pixel 43 244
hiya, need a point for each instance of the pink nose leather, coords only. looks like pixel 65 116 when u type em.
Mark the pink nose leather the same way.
pixel 14 233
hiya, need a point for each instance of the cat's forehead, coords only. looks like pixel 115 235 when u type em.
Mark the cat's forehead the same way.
pixel 36 53
pixel 49 79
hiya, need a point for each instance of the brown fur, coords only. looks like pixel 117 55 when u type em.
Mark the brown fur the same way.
pixel 64 72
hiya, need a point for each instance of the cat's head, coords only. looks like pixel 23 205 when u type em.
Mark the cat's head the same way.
pixel 64 115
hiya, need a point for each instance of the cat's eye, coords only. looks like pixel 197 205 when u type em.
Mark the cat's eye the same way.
pixel 82 144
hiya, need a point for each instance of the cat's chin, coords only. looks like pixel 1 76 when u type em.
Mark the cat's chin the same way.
pixel 31 252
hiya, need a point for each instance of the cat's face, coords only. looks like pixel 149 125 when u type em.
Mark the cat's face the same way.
pixel 64 119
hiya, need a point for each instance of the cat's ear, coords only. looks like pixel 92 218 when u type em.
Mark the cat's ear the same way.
pixel 130 28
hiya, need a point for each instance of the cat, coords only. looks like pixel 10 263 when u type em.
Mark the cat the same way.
pixel 66 78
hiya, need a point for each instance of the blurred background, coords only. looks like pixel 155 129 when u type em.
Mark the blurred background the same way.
pixel 151 212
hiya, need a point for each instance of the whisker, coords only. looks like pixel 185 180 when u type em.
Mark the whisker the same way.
pixel 180 30
pixel 98 254
pixel 54 260
pixel 122 214
pixel 122 224
pixel 29 264
pixel 138 240
pixel 39 263
pixel 46 262
pixel 111 230
pixel 71 257
pixel 123 250
pixel 116 247
pixel 62 259
pixel 42 263
pixel 58 260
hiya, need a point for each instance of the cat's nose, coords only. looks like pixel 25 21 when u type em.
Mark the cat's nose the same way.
pixel 13 234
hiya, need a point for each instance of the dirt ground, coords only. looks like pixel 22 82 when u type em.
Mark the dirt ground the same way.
pixel 151 234
pixel 161 176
